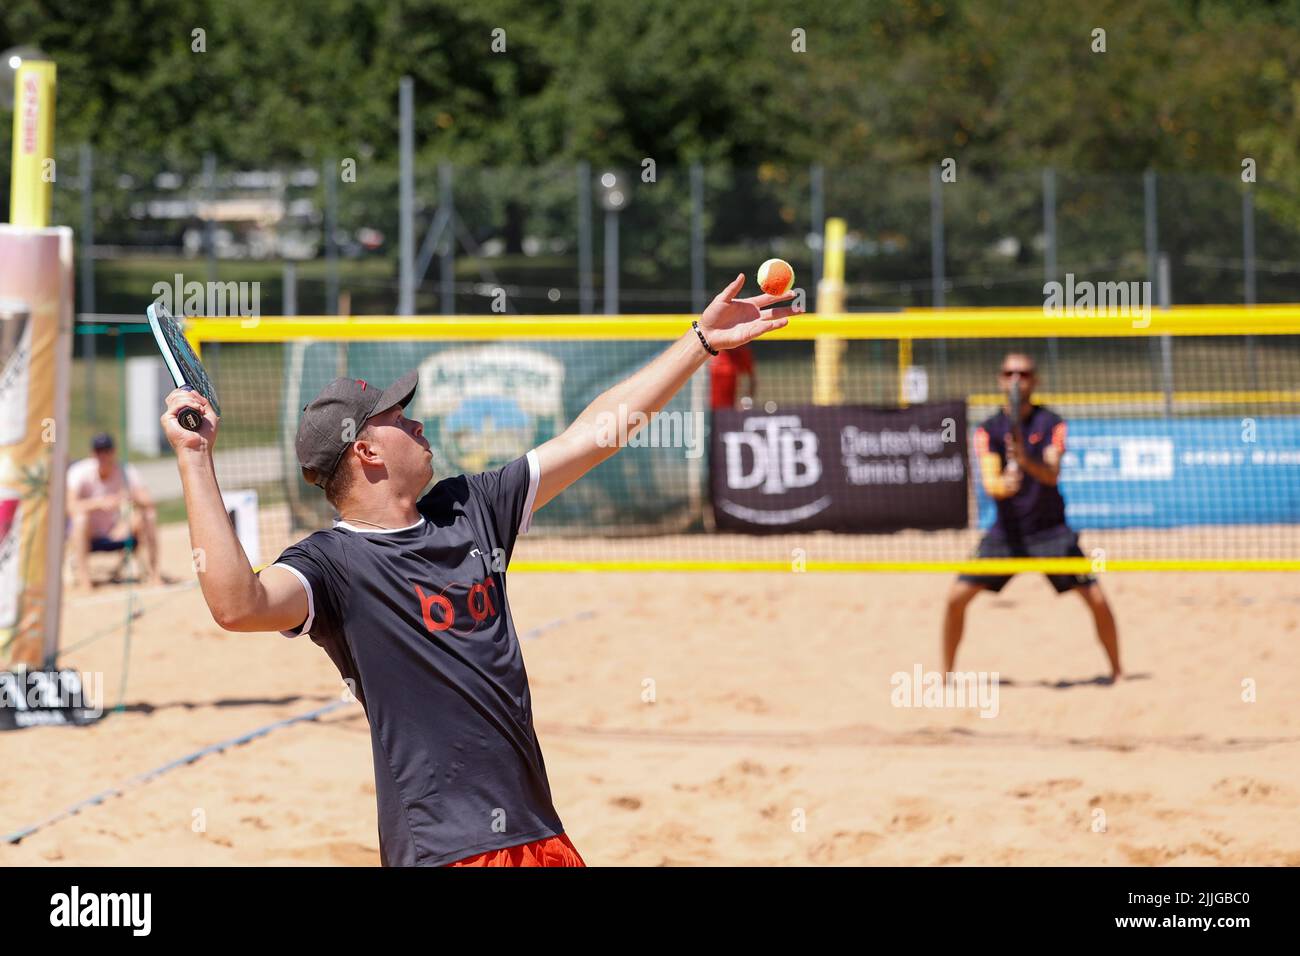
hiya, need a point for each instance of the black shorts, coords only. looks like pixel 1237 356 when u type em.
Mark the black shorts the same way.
pixel 1057 543
pixel 111 544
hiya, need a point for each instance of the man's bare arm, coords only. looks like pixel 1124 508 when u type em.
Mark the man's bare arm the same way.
pixel 1047 471
pixel 621 410
pixel 998 484
pixel 238 599
pixel 592 437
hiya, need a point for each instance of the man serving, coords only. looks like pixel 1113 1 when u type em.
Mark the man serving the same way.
pixel 1020 462
pixel 407 595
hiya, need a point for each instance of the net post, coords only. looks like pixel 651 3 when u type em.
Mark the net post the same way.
pixel 828 351
pixel 904 363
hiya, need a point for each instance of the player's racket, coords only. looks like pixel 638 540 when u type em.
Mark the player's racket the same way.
pixel 1017 406
pixel 186 369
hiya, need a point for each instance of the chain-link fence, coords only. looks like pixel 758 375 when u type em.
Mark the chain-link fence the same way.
pixel 325 238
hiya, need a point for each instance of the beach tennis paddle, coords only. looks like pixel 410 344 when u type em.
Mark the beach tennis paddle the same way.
pixel 1015 404
pixel 185 368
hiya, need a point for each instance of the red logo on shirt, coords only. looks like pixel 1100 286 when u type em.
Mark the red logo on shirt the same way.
pixel 439 612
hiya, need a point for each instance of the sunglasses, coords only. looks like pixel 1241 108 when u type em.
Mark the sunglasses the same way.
pixel 1023 373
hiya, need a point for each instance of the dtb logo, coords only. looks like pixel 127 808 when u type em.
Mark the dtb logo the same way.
pixel 781 455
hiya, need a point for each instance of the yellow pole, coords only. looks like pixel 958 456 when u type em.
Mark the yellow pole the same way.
pixel 31 190
pixel 828 351
pixel 904 362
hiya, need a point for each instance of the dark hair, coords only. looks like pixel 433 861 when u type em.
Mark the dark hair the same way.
pixel 337 485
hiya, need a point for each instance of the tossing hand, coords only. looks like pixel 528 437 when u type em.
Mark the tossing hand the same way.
pixel 729 322
pixel 1015 452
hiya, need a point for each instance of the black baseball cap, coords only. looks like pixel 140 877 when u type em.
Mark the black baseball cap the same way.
pixel 341 409
pixel 102 442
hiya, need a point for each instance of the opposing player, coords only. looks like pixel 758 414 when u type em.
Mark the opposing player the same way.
pixel 1021 478
pixel 407 592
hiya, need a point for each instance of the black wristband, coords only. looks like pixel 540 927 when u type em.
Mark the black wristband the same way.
pixel 703 341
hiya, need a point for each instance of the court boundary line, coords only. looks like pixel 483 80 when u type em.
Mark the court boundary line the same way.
pixel 17 836
pixel 980 566
pixel 865 735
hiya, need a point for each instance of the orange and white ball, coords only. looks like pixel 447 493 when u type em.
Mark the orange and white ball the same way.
pixel 775 276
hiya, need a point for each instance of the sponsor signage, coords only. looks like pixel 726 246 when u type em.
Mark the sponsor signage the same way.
pixel 840 468
pixel 1166 473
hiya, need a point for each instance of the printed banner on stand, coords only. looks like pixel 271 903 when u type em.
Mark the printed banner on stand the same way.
pixel 36 302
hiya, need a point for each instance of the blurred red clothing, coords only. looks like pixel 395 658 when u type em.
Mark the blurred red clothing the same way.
pixel 724 369
pixel 552 851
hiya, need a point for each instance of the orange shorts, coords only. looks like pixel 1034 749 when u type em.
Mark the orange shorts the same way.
pixel 551 851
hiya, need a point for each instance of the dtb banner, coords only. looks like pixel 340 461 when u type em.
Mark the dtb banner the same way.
pixel 840 468
pixel 35 345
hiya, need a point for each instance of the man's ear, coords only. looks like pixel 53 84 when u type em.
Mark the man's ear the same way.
pixel 367 451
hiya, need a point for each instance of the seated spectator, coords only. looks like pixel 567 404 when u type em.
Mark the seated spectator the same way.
pixel 110 510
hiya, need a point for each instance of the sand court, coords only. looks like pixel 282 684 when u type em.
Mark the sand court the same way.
pixel 692 718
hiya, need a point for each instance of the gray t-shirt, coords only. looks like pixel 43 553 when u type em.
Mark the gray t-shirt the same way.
pixel 416 620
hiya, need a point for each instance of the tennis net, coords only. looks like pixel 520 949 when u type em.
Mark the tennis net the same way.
pixel 853 447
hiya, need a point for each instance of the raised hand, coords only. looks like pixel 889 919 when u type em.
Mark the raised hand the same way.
pixel 1014 451
pixel 181 438
pixel 729 322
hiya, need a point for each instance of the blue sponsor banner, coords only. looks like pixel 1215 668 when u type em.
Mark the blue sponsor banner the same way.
pixel 1165 473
